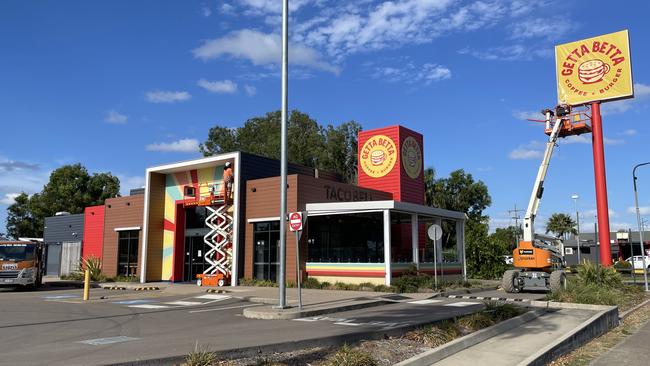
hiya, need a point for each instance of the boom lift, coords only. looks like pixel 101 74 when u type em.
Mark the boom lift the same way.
pixel 538 259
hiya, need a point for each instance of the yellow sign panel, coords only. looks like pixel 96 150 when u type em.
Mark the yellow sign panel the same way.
pixel 594 69
pixel 378 156
pixel 411 157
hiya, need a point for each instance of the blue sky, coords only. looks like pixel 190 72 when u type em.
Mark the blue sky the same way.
pixel 123 85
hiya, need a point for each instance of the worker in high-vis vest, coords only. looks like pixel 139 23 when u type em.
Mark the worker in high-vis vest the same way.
pixel 228 181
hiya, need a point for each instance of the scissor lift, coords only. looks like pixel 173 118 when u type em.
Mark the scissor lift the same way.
pixel 219 238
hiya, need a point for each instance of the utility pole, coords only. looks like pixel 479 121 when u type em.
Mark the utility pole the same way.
pixel 514 215
pixel 575 202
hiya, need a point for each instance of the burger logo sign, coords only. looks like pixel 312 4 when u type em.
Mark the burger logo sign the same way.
pixel 378 156
pixel 411 157
pixel 594 69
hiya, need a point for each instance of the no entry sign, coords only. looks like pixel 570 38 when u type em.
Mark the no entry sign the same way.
pixel 295 221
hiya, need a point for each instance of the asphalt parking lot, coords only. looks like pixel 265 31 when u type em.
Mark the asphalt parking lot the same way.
pixel 54 326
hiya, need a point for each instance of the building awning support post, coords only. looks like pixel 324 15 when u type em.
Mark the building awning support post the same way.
pixel 460 242
pixel 387 243
pixel 415 240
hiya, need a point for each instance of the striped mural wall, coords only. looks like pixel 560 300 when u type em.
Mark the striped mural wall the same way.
pixel 174 184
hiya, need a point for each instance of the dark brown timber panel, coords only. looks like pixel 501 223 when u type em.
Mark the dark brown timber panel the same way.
pixel 120 212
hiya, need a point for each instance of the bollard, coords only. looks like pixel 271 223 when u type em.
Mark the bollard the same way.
pixel 86 284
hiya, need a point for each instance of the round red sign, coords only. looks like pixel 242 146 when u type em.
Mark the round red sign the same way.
pixel 295 221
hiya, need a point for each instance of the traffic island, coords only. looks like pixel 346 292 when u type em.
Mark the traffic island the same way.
pixel 270 312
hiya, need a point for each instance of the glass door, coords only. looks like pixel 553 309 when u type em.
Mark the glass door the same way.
pixel 194 257
pixel 266 237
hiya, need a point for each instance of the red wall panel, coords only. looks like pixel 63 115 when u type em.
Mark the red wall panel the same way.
pixel 93 242
pixel 382 148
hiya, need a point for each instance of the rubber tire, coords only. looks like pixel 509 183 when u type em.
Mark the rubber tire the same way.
pixel 221 282
pixel 508 281
pixel 558 280
pixel 199 282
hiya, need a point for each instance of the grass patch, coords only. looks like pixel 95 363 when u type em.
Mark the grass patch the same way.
pixel 200 357
pixel 439 334
pixel 347 356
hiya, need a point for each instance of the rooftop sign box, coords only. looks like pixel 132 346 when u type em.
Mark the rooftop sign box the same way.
pixel 594 69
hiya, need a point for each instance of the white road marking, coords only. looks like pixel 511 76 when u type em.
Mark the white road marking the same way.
pixel 305 320
pixel 109 340
pixel 226 308
pixel 423 302
pixel 149 306
pixel 213 297
pixel 462 303
pixel 348 323
pixel 184 303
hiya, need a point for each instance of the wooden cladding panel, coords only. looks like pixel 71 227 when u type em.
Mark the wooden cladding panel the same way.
pixel 155 226
pixel 120 212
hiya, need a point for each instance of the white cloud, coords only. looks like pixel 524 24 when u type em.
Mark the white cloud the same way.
pixel 260 49
pixel 250 90
pixel 159 96
pixel 641 93
pixel 127 183
pixel 526 115
pixel 206 11
pixel 532 150
pixel 629 132
pixel 540 27
pixel 183 145
pixel 220 87
pixel 227 9
pixel 643 210
pixel 594 212
pixel 9 198
pixel 115 117
pixel 266 7
pixel 409 73
pixel 586 139
pixel 515 52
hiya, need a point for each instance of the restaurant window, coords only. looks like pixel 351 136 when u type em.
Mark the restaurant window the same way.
pixel 351 238
pixel 127 252
pixel 266 237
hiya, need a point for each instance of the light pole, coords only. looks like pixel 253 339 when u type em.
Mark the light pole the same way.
pixel 283 155
pixel 575 204
pixel 638 219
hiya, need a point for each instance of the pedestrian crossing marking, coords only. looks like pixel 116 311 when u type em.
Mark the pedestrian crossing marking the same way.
pixel 149 306
pixel 462 303
pixel 424 302
pixel 184 303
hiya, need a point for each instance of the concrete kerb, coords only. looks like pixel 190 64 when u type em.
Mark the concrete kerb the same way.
pixel 465 291
pixel 459 344
pixel 605 319
pixel 269 313
pixel 625 314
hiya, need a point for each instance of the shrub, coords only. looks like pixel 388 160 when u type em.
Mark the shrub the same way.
pixel 311 282
pixel 595 274
pixel 200 357
pixel 384 288
pixel 366 286
pixel 94 265
pixel 501 311
pixel 435 335
pixel 346 356
pixel 325 285
pixel 585 294
pixel 476 321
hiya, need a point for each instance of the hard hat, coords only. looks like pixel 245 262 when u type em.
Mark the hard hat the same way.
pixel 228 164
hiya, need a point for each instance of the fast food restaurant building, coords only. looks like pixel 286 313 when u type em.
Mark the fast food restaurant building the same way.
pixel 368 232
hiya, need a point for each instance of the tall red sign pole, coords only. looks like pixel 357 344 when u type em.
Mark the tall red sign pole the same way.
pixel 601 184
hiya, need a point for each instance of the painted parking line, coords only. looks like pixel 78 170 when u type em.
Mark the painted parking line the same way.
pixel 224 308
pixel 56 297
pixel 213 297
pixel 149 306
pixel 132 302
pixel 352 323
pixel 425 302
pixel 184 303
pixel 109 340
pixel 462 304
pixel 348 323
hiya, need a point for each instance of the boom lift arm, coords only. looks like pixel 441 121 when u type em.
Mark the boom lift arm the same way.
pixel 538 188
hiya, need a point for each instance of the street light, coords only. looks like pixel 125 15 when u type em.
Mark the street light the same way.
pixel 575 204
pixel 638 220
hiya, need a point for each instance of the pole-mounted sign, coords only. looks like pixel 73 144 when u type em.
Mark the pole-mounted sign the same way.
pixel 295 221
pixel 594 69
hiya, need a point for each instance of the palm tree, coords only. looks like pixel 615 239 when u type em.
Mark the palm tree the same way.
pixel 561 224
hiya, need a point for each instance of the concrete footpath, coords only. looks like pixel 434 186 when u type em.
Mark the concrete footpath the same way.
pixel 632 351
pixel 517 344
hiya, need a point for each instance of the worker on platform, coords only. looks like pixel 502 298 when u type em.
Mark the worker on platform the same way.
pixel 228 181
